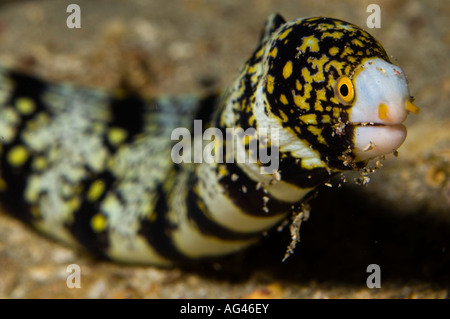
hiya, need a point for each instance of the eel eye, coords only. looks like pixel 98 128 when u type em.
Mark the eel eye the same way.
pixel 345 90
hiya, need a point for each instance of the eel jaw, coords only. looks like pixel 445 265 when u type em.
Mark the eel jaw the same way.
pixel 374 140
pixel 382 104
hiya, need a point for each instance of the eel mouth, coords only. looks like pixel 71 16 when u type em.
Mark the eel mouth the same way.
pixel 385 134
pixel 375 139
pixel 364 124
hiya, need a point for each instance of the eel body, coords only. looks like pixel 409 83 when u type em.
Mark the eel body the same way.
pixel 122 177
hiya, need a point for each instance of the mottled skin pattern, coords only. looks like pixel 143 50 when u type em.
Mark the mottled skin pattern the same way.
pixel 304 74
pixel 90 168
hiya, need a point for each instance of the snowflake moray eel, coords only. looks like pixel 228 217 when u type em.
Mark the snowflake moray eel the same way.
pixel 95 170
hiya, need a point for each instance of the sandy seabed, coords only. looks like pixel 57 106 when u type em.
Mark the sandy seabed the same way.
pixel 400 220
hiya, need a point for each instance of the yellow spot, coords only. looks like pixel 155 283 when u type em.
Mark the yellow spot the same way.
pixel 300 100
pixel 283 115
pixel 251 120
pixel 337 66
pixel 243 105
pixel 333 100
pixel 246 140
pixel 283 99
pixel 324 26
pixel 287 70
pixel 254 79
pixel 357 42
pixel 382 111
pixel 412 108
pixel 241 87
pixel 39 163
pixel 335 34
pixel 99 222
pixel 222 171
pixel 96 190
pixel 346 51
pixel 284 34
pixel 347 69
pixel 25 105
pixel 248 107
pixel 273 52
pixel 269 84
pixel 3 185
pixel 251 69
pixel 318 106
pixel 351 59
pixel 18 155
pixel 308 89
pixel 326 118
pixel 318 64
pixel 336 112
pixel 298 85
pixel 321 95
pixel 317 131
pixel 308 42
pixel 333 51
pixel 306 75
pixel 259 53
pixel 309 119
pixel 116 135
